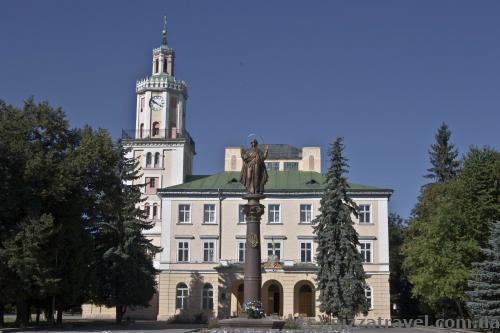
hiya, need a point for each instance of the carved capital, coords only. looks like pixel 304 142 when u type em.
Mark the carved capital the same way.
pixel 253 212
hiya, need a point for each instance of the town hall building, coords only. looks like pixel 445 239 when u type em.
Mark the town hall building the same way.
pixel 200 226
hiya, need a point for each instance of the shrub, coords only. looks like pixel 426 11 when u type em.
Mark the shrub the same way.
pixel 213 323
pixel 294 324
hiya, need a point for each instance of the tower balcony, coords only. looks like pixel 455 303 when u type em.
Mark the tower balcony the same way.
pixel 160 82
pixel 157 134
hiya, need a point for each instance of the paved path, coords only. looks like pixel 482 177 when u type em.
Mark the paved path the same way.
pixel 157 327
pixel 110 327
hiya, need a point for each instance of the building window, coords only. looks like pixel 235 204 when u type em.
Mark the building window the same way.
pixel 181 296
pixel 364 214
pixel 274 247
pixel 272 165
pixel 233 162
pixel 209 251
pixel 148 160
pixel 142 104
pixel 183 251
pixel 274 214
pixel 157 160
pixel 365 249
pixel 209 213
pixel 157 66
pixel 287 166
pixel 147 210
pixel 156 128
pixel 305 213
pixel 151 185
pixel 311 162
pixel 241 251
pixel 305 251
pixel 165 65
pixel 207 297
pixel 155 211
pixel 369 297
pixel 184 213
pixel 241 214
pixel 141 131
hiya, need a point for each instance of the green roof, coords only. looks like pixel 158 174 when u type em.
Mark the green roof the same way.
pixel 279 181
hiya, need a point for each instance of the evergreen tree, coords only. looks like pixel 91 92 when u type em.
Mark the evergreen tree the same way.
pixel 125 276
pixel 485 283
pixel 443 156
pixel 341 278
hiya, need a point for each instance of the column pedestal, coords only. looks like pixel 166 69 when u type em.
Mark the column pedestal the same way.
pixel 253 275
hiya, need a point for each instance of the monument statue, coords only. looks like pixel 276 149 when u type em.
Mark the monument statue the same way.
pixel 253 177
pixel 253 173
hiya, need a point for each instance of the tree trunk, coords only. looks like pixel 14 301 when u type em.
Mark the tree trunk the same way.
pixel 48 315
pixel 1 314
pixel 460 309
pixel 59 316
pixel 119 314
pixel 23 314
pixel 37 320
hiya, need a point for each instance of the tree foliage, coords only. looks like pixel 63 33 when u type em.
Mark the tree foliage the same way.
pixel 443 157
pixel 449 225
pixel 53 181
pixel 125 276
pixel 340 278
pixel 400 287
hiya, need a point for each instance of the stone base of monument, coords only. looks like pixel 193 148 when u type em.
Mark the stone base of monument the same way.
pixel 261 324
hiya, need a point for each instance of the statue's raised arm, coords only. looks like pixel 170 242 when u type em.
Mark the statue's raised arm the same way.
pixel 253 173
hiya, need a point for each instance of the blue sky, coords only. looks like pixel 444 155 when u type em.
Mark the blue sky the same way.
pixel 382 74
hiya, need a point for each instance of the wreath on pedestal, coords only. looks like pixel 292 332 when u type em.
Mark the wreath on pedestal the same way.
pixel 253 309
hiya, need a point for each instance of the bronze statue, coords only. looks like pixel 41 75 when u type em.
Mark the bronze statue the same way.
pixel 254 173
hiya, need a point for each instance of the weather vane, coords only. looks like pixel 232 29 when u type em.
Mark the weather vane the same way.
pixel 164 32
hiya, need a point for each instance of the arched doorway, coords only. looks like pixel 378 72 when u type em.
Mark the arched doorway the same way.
pixel 236 298
pixel 272 298
pixel 304 299
pixel 240 298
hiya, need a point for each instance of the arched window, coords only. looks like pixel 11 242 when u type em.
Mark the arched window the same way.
pixel 311 162
pixel 181 296
pixel 233 162
pixel 157 66
pixel 146 209
pixel 207 297
pixel 157 160
pixel 165 61
pixel 369 297
pixel 155 211
pixel 156 128
pixel 149 157
pixel 141 131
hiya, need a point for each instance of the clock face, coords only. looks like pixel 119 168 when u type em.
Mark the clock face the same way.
pixel 156 103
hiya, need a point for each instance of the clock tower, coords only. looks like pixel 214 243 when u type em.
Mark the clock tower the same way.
pixel 160 141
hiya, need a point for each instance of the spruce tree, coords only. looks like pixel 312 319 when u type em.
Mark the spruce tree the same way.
pixel 443 156
pixel 125 276
pixel 341 278
pixel 485 283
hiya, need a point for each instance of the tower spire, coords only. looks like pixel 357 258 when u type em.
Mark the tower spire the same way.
pixel 164 32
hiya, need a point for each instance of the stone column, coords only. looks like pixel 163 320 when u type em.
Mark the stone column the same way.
pixel 253 276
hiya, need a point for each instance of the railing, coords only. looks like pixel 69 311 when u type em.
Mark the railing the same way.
pixel 156 134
